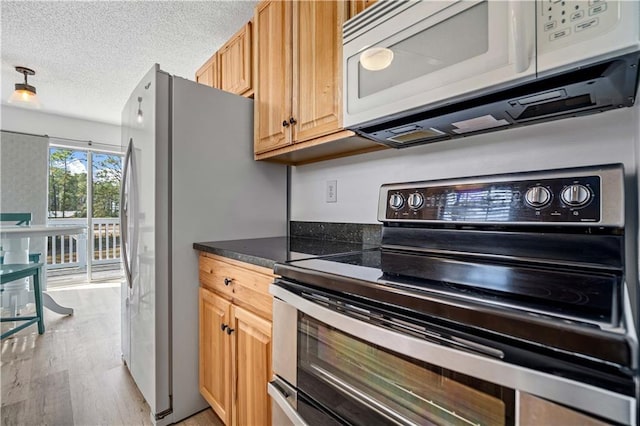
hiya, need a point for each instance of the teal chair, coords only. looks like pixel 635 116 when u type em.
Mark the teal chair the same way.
pixel 12 272
pixel 19 219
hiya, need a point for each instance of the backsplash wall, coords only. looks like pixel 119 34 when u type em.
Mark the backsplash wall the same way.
pixel 611 137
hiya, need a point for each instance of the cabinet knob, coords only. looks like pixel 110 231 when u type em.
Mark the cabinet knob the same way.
pixel 228 281
pixel 292 121
pixel 285 123
pixel 224 326
pixel 230 330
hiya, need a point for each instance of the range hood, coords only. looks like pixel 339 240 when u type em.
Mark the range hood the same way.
pixel 596 88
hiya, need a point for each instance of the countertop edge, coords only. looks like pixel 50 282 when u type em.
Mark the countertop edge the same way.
pixel 231 254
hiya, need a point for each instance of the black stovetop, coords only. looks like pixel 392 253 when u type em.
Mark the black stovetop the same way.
pixel 568 295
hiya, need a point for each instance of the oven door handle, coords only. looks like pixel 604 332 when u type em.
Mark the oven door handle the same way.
pixel 364 399
pixel 281 395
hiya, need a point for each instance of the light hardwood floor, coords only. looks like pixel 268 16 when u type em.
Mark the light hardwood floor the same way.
pixel 73 374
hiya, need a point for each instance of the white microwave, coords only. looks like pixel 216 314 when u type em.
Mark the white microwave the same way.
pixel 400 57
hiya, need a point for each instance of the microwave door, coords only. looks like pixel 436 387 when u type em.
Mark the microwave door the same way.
pixel 443 51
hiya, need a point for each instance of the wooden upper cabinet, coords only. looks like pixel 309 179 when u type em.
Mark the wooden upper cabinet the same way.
pixel 208 73
pixel 235 59
pixel 231 67
pixel 215 353
pixel 273 77
pixel 298 90
pixel 317 64
pixel 357 6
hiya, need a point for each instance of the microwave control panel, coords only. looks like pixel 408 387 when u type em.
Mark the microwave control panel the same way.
pixel 562 22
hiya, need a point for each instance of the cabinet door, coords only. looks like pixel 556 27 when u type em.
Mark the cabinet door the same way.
pixel 235 62
pixel 273 75
pixel 215 354
pixel 252 356
pixel 317 64
pixel 357 6
pixel 208 73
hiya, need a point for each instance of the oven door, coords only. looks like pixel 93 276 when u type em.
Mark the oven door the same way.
pixel 338 360
pixel 339 377
pixel 403 55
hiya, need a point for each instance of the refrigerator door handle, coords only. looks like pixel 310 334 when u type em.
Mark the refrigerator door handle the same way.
pixel 124 217
pixel 133 195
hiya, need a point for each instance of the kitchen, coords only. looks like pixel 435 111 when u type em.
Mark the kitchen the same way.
pixel 607 138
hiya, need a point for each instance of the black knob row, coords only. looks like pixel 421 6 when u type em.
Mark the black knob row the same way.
pixel 414 201
pixel 575 195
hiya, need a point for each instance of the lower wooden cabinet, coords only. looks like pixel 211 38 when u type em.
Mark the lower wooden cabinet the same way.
pixel 235 342
pixel 252 361
pixel 215 354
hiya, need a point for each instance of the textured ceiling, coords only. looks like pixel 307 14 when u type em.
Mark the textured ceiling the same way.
pixel 88 56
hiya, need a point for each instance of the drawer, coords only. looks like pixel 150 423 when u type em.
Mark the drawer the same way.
pixel 243 284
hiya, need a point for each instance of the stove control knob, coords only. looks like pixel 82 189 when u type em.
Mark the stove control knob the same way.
pixel 415 201
pixel 396 201
pixel 576 195
pixel 538 196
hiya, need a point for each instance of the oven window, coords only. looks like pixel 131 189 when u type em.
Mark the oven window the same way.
pixel 360 383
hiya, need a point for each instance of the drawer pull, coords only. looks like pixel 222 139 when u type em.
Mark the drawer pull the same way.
pixel 230 330
pixel 224 326
pixel 228 281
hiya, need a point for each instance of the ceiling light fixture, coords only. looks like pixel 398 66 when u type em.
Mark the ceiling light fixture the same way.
pixel 25 94
pixel 140 116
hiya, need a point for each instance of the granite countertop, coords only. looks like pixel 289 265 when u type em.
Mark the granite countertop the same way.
pixel 267 252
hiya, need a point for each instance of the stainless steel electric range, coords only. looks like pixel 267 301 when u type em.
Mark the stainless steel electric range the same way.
pixel 492 300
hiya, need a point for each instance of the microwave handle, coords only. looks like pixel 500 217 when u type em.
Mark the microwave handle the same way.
pixel 521 34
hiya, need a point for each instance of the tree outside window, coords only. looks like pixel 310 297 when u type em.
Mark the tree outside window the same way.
pixel 68 184
pixel 107 175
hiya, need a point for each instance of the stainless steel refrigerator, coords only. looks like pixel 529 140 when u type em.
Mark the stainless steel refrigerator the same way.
pixel 188 175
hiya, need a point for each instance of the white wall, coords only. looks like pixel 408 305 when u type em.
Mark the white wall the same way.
pixel 609 137
pixel 57 126
pixel 23 175
pixel 23 189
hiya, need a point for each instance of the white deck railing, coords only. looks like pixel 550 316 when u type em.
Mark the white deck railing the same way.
pixel 107 247
pixel 70 251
